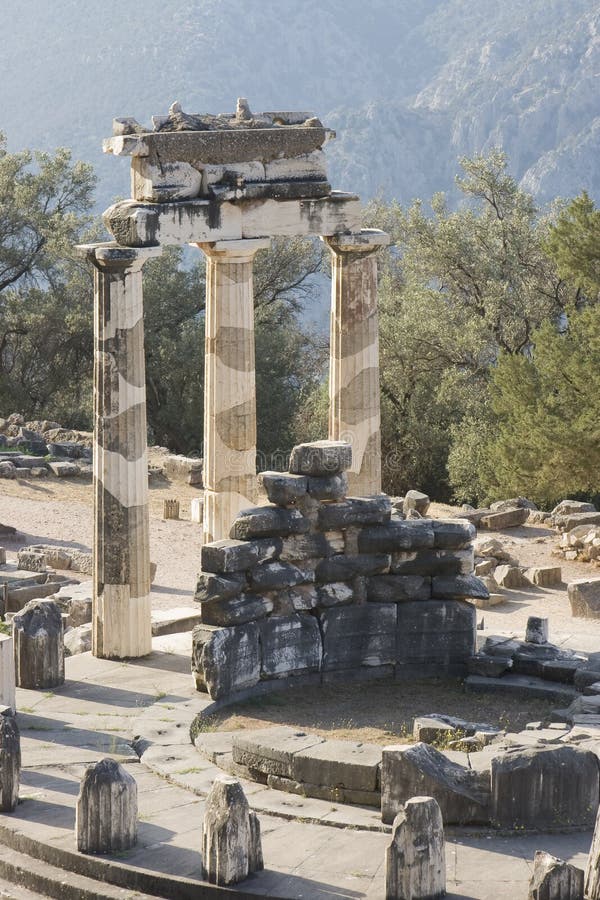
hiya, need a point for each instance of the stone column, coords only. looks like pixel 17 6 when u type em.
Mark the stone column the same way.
pixel 121 602
pixel 229 385
pixel 354 356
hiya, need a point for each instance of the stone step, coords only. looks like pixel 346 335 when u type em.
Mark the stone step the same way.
pixel 521 685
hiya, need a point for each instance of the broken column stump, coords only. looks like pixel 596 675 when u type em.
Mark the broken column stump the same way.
pixel 231 845
pixel 39 645
pixel 592 870
pixel 10 762
pixel 106 817
pixel 7 672
pixel 554 879
pixel 415 860
pixel 170 509
pixel 537 630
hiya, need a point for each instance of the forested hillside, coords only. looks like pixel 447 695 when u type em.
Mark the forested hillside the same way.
pixel 409 87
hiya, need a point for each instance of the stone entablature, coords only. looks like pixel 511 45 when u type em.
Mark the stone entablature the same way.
pixel 324 585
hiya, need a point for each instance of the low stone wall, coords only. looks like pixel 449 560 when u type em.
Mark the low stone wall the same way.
pixel 318 584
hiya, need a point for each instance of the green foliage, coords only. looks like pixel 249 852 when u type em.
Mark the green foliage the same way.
pixel 547 444
pixel 574 244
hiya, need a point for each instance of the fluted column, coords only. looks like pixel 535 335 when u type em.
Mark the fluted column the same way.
pixel 354 355
pixel 229 384
pixel 121 598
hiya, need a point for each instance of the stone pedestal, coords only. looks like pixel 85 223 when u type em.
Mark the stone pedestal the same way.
pixel 229 385
pixel 106 816
pixel 38 636
pixel 415 860
pixel 354 362
pixel 7 672
pixel 10 763
pixel 121 624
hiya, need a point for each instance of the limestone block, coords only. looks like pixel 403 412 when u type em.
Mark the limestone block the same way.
pixel 210 586
pixel 512 503
pixel 333 487
pixel 435 633
pixel 554 879
pixel 415 860
pixel 432 562
pixel 106 813
pixel 584 597
pixel 342 567
pixel 490 547
pixel 321 458
pixel 345 764
pixel 2 556
pixel 508 519
pixel 309 166
pixel 337 593
pixel 63 469
pixel 183 468
pixel 435 726
pixel 10 763
pixel 303 597
pixel 592 870
pixel 453 534
pixel 358 636
pixel 457 587
pixel 78 640
pixel 489 666
pixel 354 511
pixel 560 669
pixel 7 672
pixel 290 645
pixel 538 787
pixel 271 576
pixel 231 844
pixel 307 546
pixel 398 588
pixel 409 770
pixel 236 610
pixel 197 510
pixel 509 577
pixel 268 521
pixel 272 750
pixel 571 506
pixel 31 560
pixel 416 500
pixel 485 567
pixel 396 535
pixel 236 556
pixel 165 182
pixel 544 576
pixel 225 660
pixel 569 522
pixel 537 630
pixel 283 488
pixel 39 645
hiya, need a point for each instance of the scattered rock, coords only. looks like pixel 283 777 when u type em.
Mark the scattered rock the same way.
pixel 417 501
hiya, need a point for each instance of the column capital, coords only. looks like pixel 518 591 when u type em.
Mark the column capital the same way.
pixel 110 255
pixel 244 249
pixel 368 240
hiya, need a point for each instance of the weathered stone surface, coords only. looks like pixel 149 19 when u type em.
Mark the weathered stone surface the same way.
pixel 355 511
pixel 435 726
pixel 415 860
pixel 434 634
pixel 452 534
pixel 7 671
pixel 584 597
pixel 78 640
pixel 398 534
pixel 268 521
pixel 554 879
pixel 416 500
pixel 183 468
pixel 409 770
pixel 272 750
pixel 509 577
pixel 335 794
pixel 521 686
pixel 290 645
pixel 538 787
pixel 10 763
pixel 570 522
pixel 236 610
pixel 225 660
pixel 63 469
pixel 236 556
pixel 271 576
pixel 106 815
pixel 484 567
pixel 592 870
pixel 31 560
pixel 334 487
pixel 537 630
pixel 398 588
pixel 488 666
pixel 432 562
pixel 306 546
pixel 209 586
pixel 560 669
pixel 283 488
pixel 342 567
pixel 39 645
pixel 345 764
pixel 571 506
pixel 337 593
pixel 490 547
pixel 513 503
pixel 358 636
pixel 457 587
pixel 321 458
pixel 544 576
pixel 303 597
pixel 508 519
pixel 231 844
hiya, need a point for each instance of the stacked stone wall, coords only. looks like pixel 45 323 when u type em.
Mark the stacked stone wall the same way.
pixel 325 586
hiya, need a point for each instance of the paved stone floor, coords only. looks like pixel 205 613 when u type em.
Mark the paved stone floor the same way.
pixel 105 707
